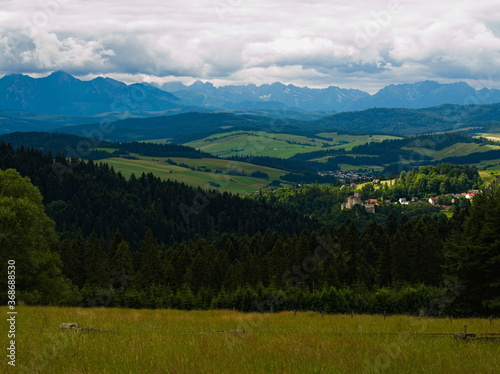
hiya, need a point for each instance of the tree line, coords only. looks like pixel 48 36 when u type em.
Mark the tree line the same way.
pixel 273 256
pixel 96 149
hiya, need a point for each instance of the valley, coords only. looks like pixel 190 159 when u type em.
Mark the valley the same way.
pixel 250 187
pixel 241 161
pixel 160 236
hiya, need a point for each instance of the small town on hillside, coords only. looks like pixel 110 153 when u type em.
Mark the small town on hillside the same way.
pixel 370 204
pixel 359 175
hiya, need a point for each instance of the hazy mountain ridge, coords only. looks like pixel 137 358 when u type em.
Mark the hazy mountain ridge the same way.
pixel 60 100
pixel 411 96
pixel 427 94
pixel 61 93
pixel 331 99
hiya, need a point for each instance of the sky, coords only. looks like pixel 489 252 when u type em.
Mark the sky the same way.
pixel 347 43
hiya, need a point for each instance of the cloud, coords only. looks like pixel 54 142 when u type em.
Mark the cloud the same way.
pixel 362 44
pixel 77 55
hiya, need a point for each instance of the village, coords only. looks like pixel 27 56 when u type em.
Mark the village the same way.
pixel 359 175
pixel 443 202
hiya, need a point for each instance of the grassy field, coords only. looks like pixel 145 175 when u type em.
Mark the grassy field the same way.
pixel 489 175
pixel 458 149
pixel 204 176
pixel 168 341
pixel 491 136
pixel 349 141
pixel 260 143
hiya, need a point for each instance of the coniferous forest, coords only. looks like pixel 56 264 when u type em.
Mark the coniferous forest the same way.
pixel 91 237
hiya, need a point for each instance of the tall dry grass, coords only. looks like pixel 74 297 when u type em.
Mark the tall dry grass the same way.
pixel 169 341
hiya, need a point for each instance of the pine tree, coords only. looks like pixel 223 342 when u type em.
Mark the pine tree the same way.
pixel 181 258
pixel 122 268
pixel 151 269
pixel 117 239
pixel 96 264
pixel 425 253
pixel 278 261
pixel 473 254
pixel 358 270
pixel 384 266
pixel 400 255
pixel 71 261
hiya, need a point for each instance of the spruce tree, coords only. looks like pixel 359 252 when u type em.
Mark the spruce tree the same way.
pixel 151 271
pixel 96 264
pixel 473 254
pixel 117 239
pixel 122 268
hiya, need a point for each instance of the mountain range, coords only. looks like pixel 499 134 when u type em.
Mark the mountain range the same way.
pixel 332 99
pixel 268 96
pixel 62 94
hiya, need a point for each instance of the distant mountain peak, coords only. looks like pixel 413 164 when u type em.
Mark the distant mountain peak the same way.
pixel 105 81
pixel 420 95
pixel 16 75
pixel 199 83
pixel 61 93
pixel 61 76
pixel 173 86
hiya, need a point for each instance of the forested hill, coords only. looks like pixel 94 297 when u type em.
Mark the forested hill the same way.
pixel 414 151
pixel 94 198
pixel 405 122
pixel 96 149
pixel 211 250
pixel 182 125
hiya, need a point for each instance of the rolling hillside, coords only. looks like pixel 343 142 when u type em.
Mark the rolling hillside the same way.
pixel 282 145
pixel 245 161
pixel 223 175
pixel 167 161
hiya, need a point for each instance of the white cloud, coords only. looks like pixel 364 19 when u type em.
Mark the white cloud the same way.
pixel 50 53
pixel 363 44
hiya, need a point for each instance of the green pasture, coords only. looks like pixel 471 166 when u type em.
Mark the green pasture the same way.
pixel 170 341
pixel 490 136
pixel 260 143
pixel 458 149
pixel 206 177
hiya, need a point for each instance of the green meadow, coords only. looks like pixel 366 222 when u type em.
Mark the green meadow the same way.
pixel 489 176
pixel 458 149
pixel 491 136
pixel 205 174
pixel 347 141
pixel 170 341
pixel 260 143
